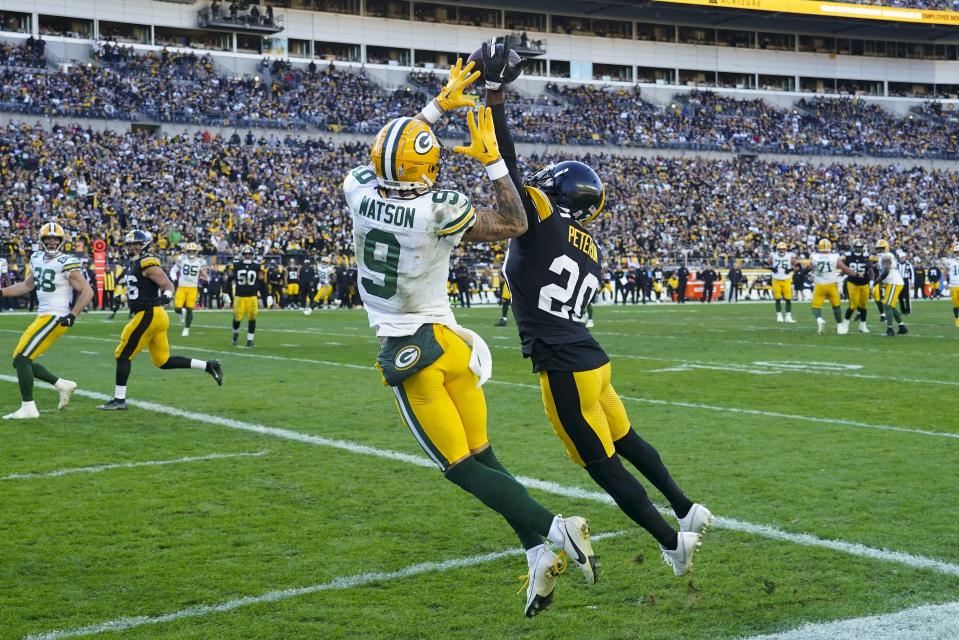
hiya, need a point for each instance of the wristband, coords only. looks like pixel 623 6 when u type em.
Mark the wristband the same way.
pixel 497 170
pixel 431 112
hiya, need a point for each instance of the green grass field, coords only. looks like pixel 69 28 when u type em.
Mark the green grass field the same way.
pixel 294 503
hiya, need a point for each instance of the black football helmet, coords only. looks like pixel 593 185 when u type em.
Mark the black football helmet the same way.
pixel 136 241
pixel 572 187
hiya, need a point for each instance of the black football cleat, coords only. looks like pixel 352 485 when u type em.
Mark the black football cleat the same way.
pixel 903 330
pixel 235 339
pixel 214 369
pixel 114 405
pixel 249 343
pixel 889 332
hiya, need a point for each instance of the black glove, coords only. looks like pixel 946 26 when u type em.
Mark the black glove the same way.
pixel 165 298
pixel 68 320
pixel 498 71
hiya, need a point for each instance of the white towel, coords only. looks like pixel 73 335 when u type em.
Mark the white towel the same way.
pixel 481 359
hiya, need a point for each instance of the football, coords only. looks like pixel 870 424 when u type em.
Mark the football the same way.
pixel 477 57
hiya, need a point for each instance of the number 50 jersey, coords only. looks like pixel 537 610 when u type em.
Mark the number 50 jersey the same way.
pixel 403 248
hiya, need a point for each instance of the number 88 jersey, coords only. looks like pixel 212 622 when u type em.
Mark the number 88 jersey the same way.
pixel 553 272
pixel 52 280
pixel 403 248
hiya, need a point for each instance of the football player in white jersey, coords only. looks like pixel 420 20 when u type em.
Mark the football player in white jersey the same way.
pixel 190 267
pixel 324 286
pixel 952 273
pixel 890 279
pixel 782 263
pixel 826 267
pixel 56 277
pixel 404 233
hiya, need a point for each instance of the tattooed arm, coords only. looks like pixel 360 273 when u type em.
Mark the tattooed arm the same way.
pixel 507 220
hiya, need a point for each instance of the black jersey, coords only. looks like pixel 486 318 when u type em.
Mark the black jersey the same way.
pixel 553 272
pixel 246 278
pixel 142 293
pixel 293 274
pixel 859 264
pixel 275 276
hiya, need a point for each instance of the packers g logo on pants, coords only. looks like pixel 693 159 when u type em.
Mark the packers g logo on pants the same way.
pixel 406 357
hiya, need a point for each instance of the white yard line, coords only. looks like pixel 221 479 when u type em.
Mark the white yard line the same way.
pixel 927 622
pixel 130 465
pixel 343 582
pixel 914 561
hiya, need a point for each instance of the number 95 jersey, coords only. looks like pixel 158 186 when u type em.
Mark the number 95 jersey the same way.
pixel 553 272
pixel 403 248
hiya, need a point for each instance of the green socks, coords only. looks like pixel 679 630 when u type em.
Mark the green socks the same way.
pixel 503 494
pixel 40 372
pixel 527 537
pixel 25 376
pixel 189 318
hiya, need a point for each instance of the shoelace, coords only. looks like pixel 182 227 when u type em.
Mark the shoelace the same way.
pixel 559 566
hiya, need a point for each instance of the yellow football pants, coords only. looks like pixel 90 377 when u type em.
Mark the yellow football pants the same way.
pixel 245 307
pixel 185 297
pixel 858 295
pixel 954 292
pixel 782 289
pixel 585 411
pixel 890 295
pixel 293 289
pixel 823 292
pixel 38 337
pixel 442 405
pixel 323 294
pixel 147 330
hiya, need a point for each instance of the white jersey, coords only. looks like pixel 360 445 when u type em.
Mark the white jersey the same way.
pixel 189 270
pixel 403 251
pixel 324 275
pixel 893 277
pixel 952 272
pixel 824 269
pixel 782 266
pixel 52 280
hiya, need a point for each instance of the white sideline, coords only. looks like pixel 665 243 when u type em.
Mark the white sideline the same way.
pixel 130 465
pixel 653 401
pixel 914 561
pixel 927 622
pixel 344 582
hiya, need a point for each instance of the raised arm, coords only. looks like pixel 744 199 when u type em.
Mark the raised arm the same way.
pixel 450 96
pixel 19 289
pixel 508 219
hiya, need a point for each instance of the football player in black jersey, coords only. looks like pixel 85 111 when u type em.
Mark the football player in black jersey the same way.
pixel 857 286
pixel 553 272
pixel 245 279
pixel 148 290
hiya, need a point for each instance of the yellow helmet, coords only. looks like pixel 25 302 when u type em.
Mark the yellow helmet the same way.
pixel 824 245
pixel 406 155
pixel 781 246
pixel 883 246
pixel 52 230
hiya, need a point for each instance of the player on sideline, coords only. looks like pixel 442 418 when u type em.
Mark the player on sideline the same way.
pixel 245 276
pixel 504 298
pixel 324 286
pixel 826 267
pixel 782 264
pixel 191 268
pixel 857 286
pixel 148 290
pixel 952 273
pixel 404 234
pixel 55 276
pixel 890 279
pixel 554 270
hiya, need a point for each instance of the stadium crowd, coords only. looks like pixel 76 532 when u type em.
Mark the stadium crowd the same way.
pixel 186 88
pixel 933 5
pixel 284 197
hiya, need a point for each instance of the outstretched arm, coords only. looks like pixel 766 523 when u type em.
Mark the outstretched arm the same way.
pixel 19 289
pixel 451 96
pixel 508 219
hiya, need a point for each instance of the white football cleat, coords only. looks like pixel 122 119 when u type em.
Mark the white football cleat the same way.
pixel 544 569
pixel 572 536
pixel 185 332
pixel 820 326
pixel 681 559
pixel 696 520
pixel 26 411
pixel 589 323
pixel 842 328
pixel 789 319
pixel 863 328
pixel 307 311
pixel 779 317
pixel 66 389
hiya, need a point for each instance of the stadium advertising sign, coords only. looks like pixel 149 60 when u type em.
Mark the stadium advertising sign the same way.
pixel 834 9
